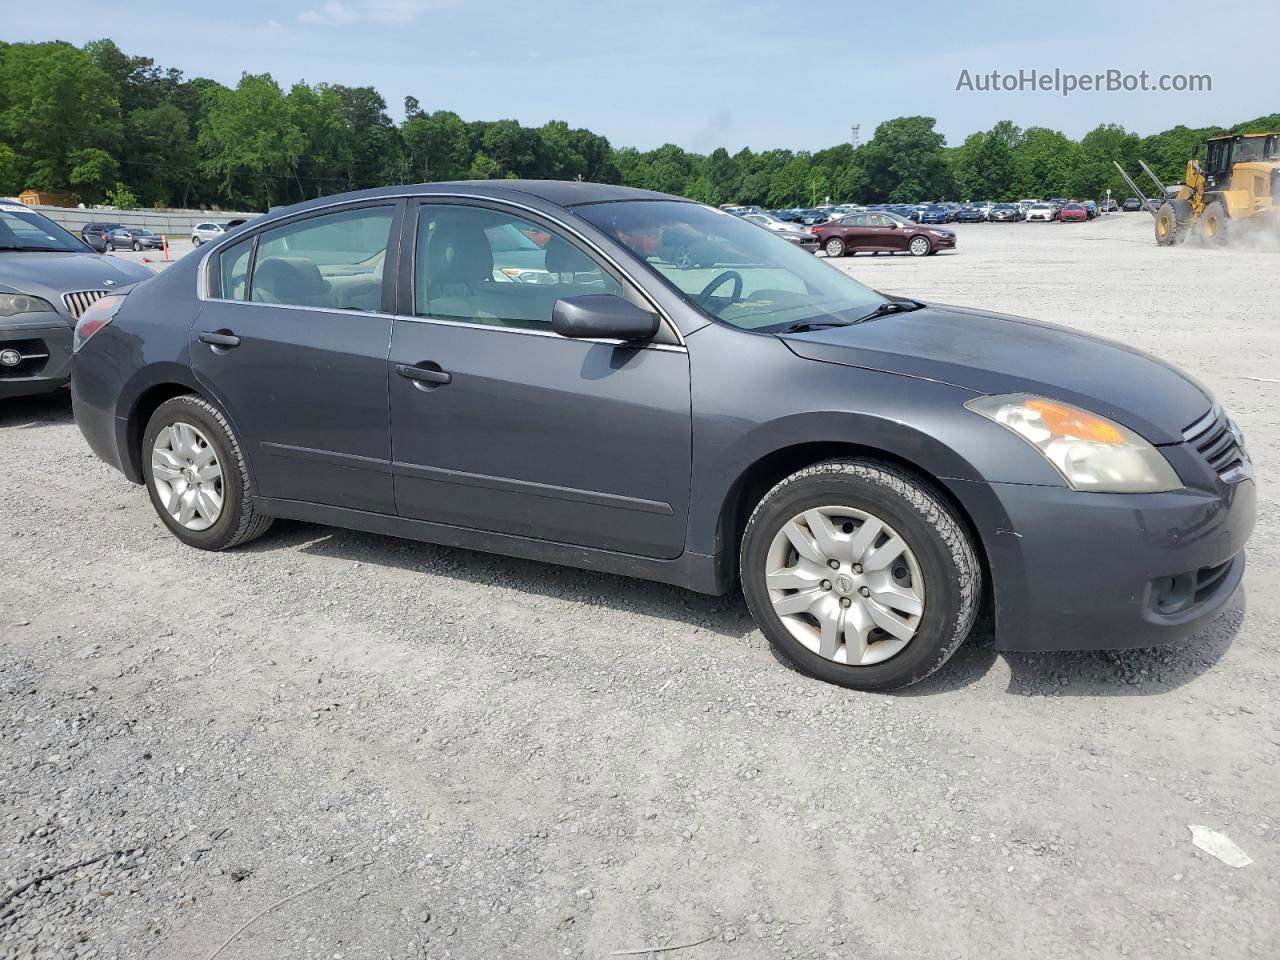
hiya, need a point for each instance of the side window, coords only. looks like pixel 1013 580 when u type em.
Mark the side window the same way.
pixel 856 220
pixel 879 220
pixel 233 265
pixel 334 260
pixel 483 266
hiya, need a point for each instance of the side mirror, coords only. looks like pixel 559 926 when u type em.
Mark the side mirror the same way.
pixel 602 316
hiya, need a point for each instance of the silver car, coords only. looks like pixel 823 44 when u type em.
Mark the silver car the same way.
pixel 48 278
pixel 204 232
pixel 791 232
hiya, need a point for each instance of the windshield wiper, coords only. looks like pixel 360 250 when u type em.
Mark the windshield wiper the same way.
pixel 892 306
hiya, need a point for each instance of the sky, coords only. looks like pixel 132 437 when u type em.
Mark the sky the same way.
pixel 705 73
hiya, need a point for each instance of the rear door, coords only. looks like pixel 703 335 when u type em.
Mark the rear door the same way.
pixel 884 233
pixel 499 424
pixel 294 345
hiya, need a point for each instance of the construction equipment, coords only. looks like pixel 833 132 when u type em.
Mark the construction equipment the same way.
pixel 1239 180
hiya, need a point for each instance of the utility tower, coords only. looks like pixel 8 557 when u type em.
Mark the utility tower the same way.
pixel 855 135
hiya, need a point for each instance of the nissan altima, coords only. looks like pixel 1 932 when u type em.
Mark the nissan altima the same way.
pixel 872 471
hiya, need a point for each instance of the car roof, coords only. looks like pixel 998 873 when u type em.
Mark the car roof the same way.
pixel 562 193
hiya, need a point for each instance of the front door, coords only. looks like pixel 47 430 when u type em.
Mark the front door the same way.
pixel 294 347
pixel 498 424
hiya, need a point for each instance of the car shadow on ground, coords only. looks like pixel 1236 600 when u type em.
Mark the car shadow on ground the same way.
pixel 726 616
pixel 1138 672
pixel 39 410
pixel 1099 673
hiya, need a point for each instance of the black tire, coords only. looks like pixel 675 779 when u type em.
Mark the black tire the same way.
pixel 137 247
pixel 196 241
pixel 834 247
pixel 945 555
pixel 1168 228
pixel 920 250
pixel 1214 223
pixel 239 522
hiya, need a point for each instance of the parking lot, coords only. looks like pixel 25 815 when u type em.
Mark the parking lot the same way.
pixel 520 760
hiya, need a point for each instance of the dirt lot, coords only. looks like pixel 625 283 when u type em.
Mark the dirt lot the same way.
pixel 525 761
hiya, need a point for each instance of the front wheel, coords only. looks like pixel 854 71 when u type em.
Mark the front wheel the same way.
pixel 137 247
pixel 1213 223
pixel 859 574
pixel 197 476
pixel 920 247
pixel 834 247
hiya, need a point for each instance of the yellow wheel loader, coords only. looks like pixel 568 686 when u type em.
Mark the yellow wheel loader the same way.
pixel 1239 180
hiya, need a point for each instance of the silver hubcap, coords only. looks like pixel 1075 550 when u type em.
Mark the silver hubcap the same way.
pixel 835 248
pixel 845 585
pixel 919 245
pixel 187 476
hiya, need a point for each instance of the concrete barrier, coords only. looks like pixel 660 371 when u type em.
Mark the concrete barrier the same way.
pixel 172 222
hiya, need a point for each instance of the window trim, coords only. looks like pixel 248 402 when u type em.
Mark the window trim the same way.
pixel 203 275
pixel 668 335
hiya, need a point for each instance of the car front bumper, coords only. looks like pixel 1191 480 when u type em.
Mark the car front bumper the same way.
pixel 44 348
pixel 1090 571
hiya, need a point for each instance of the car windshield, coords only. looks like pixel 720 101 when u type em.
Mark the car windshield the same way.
pixel 896 218
pixel 730 269
pixel 27 231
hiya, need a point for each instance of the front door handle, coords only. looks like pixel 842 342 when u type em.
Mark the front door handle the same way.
pixel 220 338
pixel 424 374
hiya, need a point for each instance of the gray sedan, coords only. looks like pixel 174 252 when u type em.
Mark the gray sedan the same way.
pixel 48 278
pixel 871 471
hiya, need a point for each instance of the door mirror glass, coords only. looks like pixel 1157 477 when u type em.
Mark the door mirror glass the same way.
pixel 602 317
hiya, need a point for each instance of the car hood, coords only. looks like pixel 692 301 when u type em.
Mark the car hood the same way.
pixel 50 275
pixel 991 353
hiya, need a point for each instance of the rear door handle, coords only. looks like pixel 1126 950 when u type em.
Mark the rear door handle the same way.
pixel 220 338
pixel 424 374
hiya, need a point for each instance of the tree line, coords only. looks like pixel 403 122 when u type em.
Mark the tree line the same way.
pixel 105 125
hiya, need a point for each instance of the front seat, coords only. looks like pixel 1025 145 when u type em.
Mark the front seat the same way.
pixel 458 280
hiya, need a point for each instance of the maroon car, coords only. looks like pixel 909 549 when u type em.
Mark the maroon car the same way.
pixel 878 231
pixel 1074 211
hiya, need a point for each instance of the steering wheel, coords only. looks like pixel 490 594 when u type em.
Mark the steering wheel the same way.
pixel 717 282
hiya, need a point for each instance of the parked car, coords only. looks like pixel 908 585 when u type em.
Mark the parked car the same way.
pixel 95 234
pixel 791 232
pixel 880 232
pixel 1091 207
pixel 1110 205
pixel 1073 212
pixel 133 238
pixel 1131 205
pixel 936 213
pixel 205 232
pixel 48 277
pixel 868 468
pixel 1042 211
pixel 1005 213
pixel 970 214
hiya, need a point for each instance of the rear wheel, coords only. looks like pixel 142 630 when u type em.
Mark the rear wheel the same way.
pixel 197 476
pixel 196 241
pixel 920 247
pixel 859 574
pixel 834 247
pixel 1213 223
pixel 137 247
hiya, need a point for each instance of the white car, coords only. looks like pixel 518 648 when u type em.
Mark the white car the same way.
pixel 1041 211
pixel 204 232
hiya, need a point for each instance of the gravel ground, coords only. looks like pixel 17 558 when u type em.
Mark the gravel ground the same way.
pixel 518 760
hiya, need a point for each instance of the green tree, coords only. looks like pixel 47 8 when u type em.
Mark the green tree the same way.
pixel 437 146
pixel 904 161
pixel 55 103
pixel 1042 164
pixel 248 139
pixel 328 154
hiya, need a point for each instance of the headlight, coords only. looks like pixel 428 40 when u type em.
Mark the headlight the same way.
pixel 1091 452
pixel 12 304
pixel 940 233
